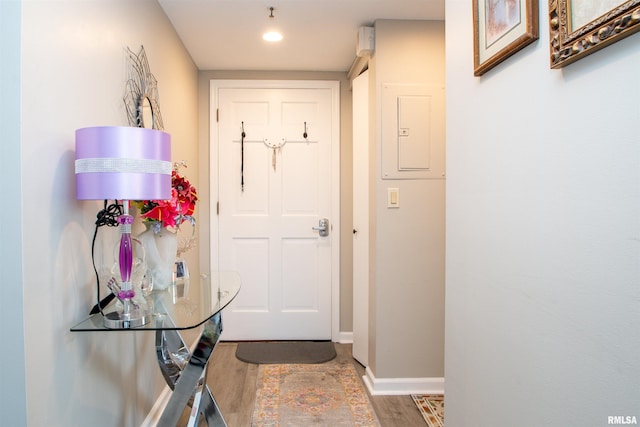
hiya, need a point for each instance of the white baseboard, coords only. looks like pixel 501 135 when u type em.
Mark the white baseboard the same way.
pixel 402 386
pixel 345 338
pixel 156 411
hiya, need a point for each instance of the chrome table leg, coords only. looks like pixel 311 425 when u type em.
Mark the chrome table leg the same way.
pixel 186 374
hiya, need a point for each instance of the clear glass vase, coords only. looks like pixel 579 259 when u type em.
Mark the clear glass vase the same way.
pixel 160 248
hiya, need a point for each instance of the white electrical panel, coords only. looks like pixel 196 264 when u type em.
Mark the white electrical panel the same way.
pixel 412 131
pixel 414 141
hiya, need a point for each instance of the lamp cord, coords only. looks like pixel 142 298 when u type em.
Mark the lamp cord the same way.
pixel 107 216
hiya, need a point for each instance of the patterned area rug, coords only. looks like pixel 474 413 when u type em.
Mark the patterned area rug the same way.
pixel 431 407
pixel 327 394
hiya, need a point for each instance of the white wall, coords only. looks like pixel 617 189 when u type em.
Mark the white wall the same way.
pixel 543 235
pixel 73 76
pixel 12 392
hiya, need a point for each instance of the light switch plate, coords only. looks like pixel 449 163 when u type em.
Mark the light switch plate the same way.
pixel 393 198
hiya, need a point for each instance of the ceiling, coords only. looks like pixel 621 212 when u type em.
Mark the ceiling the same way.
pixel 319 35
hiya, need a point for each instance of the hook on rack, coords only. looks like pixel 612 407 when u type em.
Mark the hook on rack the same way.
pixel 305 135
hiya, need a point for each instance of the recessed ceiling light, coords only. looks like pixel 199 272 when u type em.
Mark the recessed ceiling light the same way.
pixel 272 36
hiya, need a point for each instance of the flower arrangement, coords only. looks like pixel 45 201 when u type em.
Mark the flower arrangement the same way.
pixel 171 213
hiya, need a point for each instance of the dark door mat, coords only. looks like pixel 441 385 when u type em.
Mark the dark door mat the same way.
pixel 268 352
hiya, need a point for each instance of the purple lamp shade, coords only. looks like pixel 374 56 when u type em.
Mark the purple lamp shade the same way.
pixel 123 163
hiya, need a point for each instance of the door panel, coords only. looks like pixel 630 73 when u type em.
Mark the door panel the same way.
pixel 265 228
pixel 361 239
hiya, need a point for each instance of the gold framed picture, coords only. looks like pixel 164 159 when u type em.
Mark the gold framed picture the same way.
pixel 500 29
pixel 578 28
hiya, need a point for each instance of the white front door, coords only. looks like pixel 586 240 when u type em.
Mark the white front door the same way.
pixel 274 185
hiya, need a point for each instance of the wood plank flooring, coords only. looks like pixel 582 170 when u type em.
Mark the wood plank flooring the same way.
pixel 233 383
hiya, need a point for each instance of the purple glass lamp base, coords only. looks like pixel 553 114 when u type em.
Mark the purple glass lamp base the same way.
pixel 131 315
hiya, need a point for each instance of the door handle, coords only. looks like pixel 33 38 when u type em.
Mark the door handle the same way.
pixel 323 227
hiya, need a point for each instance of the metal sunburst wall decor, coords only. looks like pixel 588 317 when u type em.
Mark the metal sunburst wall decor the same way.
pixel 141 93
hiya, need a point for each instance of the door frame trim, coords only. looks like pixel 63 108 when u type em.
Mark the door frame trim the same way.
pixel 334 86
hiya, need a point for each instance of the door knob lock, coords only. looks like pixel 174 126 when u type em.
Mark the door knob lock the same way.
pixel 323 227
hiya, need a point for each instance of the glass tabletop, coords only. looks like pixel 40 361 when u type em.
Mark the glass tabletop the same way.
pixel 180 306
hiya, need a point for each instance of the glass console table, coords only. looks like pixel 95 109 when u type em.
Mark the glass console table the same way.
pixel 195 302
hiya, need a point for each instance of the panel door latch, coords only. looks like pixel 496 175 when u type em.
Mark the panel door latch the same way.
pixel 323 227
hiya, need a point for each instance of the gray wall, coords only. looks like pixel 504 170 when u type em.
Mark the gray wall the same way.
pixel 543 232
pixel 73 75
pixel 407 259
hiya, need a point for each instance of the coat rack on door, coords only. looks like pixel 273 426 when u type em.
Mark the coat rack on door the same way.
pixel 274 146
